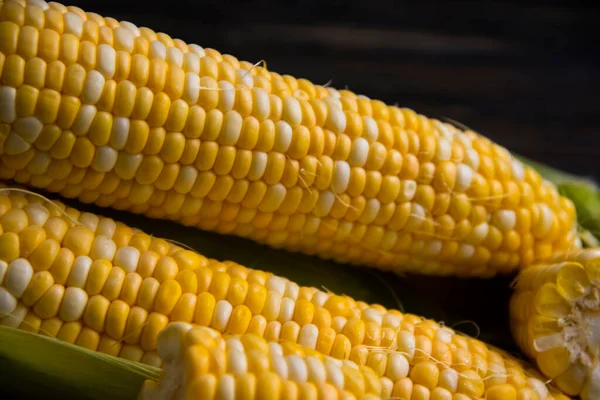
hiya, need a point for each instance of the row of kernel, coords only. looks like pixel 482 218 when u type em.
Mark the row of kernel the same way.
pixel 229 131
pixel 478 235
pixel 546 221
pixel 400 243
pixel 99 126
pixel 491 237
pixel 464 219
pixel 477 253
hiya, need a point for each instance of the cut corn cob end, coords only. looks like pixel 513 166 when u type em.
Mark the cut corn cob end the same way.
pixel 99 284
pixel 125 117
pixel 555 318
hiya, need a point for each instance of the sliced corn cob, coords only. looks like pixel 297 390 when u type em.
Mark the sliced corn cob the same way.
pixel 555 316
pixel 121 116
pixel 100 284
pixel 201 364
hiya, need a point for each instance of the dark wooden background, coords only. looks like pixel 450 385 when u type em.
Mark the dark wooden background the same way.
pixel 524 73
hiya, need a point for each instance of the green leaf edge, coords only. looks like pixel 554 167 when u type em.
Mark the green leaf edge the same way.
pixel 63 368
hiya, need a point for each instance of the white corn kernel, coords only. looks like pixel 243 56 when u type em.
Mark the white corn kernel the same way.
pixel 258 166
pixel 472 158
pixel 359 152
pixel 443 150
pixel 283 137
pixel 92 87
pixel 17 277
pixel 244 77
pixel 296 368
pixel 105 159
pixel 14 319
pixel 324 203
pixel 372 315
pixel 319 298
pixel 198 50
pixel 397 366
pixel 119 133
pixel 225 387
pixel 335 376
pixel 291 290
pixel 29 128
pixel 106 227
pixel 8 303
pixel 8 111
pixel 236 357
pixel 127 258
pixel 341 176
pixel 73 24
pixel 37 214
pixel 73 305
pixel 84 119
pixel 79 272
pixel 223 310
pixel 174 56
pixel 191 91
pixel 226 96
pixel 464 177
pixel 518 170
pixel 157 50
pixel 103 248
pixel 309 334
pixel 315 369
pixel 106 60
pixel 287 309
pixel 170 340
pixel 505 220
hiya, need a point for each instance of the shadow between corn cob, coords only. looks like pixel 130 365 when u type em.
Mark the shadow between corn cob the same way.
pixel 125 117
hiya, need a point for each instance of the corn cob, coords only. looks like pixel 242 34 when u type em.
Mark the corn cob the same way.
pixel 97 283
pixel 121 116
pixel 200 364
pixel 555 318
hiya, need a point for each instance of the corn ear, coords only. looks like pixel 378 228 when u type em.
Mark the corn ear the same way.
pixel 128 118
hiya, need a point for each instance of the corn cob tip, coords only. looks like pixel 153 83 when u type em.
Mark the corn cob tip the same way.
pixel 555 317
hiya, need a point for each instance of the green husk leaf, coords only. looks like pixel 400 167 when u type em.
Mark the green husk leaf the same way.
pixel 34 366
